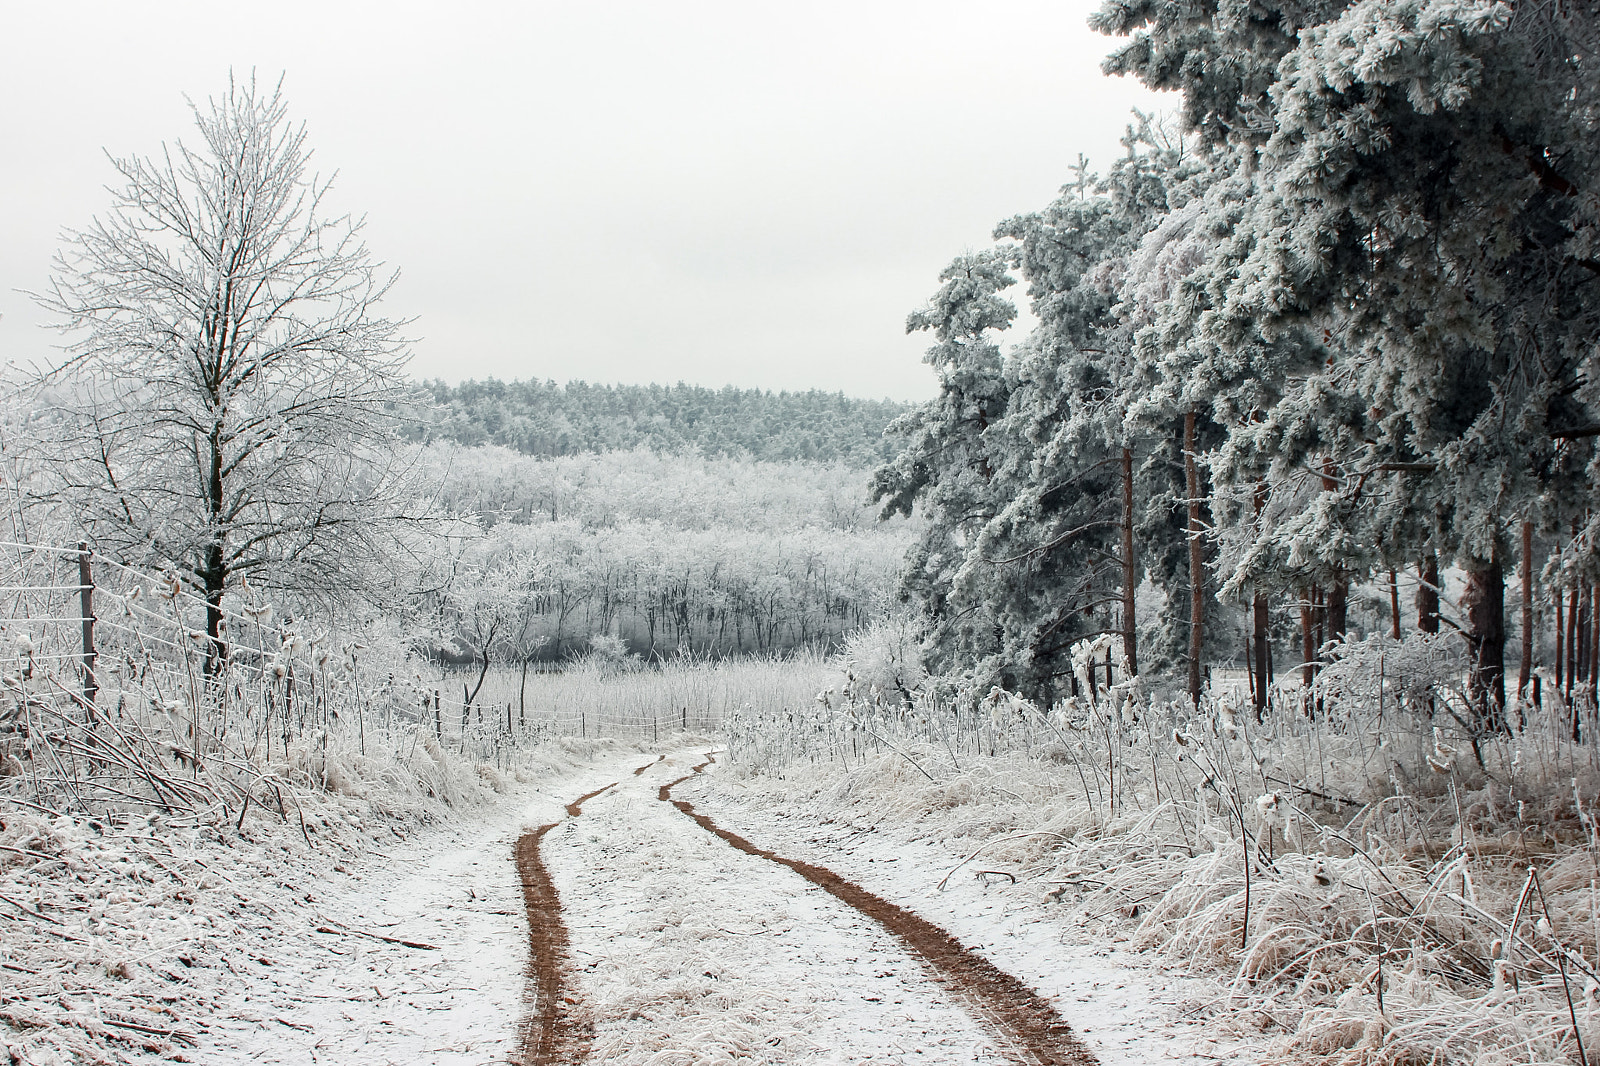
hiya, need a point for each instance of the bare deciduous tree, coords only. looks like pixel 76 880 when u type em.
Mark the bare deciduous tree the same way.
pixel 227 393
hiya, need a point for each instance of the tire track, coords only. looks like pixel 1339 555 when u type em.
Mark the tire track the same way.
pixel 548 1033
pixel 1024 1020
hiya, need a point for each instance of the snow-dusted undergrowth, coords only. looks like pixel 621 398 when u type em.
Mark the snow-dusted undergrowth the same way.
pixel 120 934
pixel 1400 902
pixel 152 826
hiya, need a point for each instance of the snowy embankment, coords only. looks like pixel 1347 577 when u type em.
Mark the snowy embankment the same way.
pixel 261 942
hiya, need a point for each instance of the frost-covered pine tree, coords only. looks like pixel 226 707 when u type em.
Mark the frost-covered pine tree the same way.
pixel 1421 200
pixel 1039 498
pixel 954 449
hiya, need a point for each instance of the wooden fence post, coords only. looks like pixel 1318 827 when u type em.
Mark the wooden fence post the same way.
pixel 91 687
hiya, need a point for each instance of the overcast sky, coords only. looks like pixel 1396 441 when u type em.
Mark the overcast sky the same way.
pixel 746 192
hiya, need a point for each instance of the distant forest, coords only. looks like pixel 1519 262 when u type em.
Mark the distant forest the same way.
pixel 543 418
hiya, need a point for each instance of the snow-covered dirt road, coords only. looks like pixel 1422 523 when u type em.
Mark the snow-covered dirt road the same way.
pixel 653 940
pixel 332 991
pixel 689 950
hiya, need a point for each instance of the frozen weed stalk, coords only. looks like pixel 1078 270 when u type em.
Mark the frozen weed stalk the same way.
pixel 1346 866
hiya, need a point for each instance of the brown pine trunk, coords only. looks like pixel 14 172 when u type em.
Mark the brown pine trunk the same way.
pixel 1483 604
pixel 1260 610
pixel 1572 643
pixel 1339 591
pixel 1394 602
pixel 1197 601
pixel 1561 638
pixel 1585 622
pixel 1525 670
pixel 1594 643
pixel 1263 667
pixel 1319 612
pixel 1130 568
pixel 1338 607
pixel 1308 641
pixel 1428 595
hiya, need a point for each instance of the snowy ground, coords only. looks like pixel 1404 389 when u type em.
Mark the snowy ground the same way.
pixel 689 951
pixel 683 949
pixel 347 998
pixel 1126 1008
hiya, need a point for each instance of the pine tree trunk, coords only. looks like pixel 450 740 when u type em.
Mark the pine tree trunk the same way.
pixel 1585 622
pixel 1197 603
pixel 1428 595
pixel 1483 604
pixel 1338 607
pixel 1572 643
pixel 1561 638
pixel 1525 670
pixel 1394 602
pixel 1594 641
pixel 1337 610
pixel 1260 620
pixel 1308 642
pixel 1130 568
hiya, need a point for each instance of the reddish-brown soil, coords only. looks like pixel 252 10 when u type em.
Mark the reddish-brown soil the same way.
pixel 647 765
pixel 548 1034
pixel 1020 1017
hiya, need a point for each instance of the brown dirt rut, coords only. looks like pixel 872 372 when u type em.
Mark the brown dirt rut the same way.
pixel 1021 1018
pixel 548 1034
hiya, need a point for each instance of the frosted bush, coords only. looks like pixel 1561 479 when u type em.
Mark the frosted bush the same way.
pixel 884 658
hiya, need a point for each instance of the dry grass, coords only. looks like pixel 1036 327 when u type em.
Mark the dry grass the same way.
pixel 1364 889
pixel 635 700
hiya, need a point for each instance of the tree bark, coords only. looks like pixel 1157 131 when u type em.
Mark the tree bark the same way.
pixel 1561 638
pixel 1337 610
pixel 1394 602
pixel 1130 568
pixel 1197 603
pixel 1260 611
pixel 1338 607
pixel 1483 604
pixel 1572 644
pixel 1525 669
pixel 1594 642
pixel 1428 595
pixel 1585 622
pixel 1308 642
pixel 1259 624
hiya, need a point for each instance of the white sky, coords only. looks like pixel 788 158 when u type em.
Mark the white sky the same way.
pixel 744 192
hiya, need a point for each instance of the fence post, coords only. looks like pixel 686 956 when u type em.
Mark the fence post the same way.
pixel 91 687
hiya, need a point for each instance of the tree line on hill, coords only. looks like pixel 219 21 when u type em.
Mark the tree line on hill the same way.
pixel 550 419
pixel 1334 325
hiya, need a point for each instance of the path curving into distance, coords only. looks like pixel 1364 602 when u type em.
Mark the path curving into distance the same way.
pixel 1027 1024
pixel 547 1034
